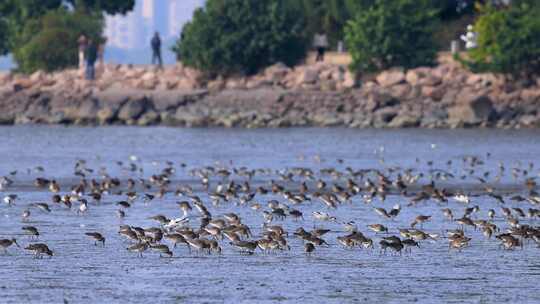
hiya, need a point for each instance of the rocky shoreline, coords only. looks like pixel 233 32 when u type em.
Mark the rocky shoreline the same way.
pixel 445 96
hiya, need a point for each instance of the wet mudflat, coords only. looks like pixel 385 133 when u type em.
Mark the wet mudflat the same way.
pixel 81 272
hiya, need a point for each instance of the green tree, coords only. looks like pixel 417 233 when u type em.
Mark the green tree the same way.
pixel 3 38
pixel 15 14
pixel 392 33
pixel 508 39
pixel 243 36
pixel 331 16
pixel 52 40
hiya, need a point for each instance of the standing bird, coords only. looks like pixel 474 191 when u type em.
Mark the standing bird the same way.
pixel 54 187
pixel 395 210
pixel 140 248
pixel 39 250
pixel 5 243
pixel 10 199
pixel 25 215
pixel 31 231
pixel 83 207
pixel 98 237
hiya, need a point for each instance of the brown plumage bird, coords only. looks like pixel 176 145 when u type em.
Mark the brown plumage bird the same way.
pixel 98 237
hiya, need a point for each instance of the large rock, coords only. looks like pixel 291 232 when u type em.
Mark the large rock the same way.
pixel 423 77
pixel 530 95
pixel 471 110
pixel 37 76
pixel 530 121
pixel 88 110
pixel 236 83
pixel 307 76
pixel 391 77
pixel 38 109
pixel 378 100
pixel 276 72
pixel 189 119
pixel 435 93
pixel 349 81
pixel 385 115
pixel 106 115
pixel 5 77
pixel 404 120
pixel 216 84
pixel 244 99
pixel 400 91
pixel 149 118
pixel 170 100
pixel 116 96
pixel 22 84
pixel 133 109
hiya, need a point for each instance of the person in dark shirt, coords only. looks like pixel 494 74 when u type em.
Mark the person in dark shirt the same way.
pixel 91 57
pixel 156 50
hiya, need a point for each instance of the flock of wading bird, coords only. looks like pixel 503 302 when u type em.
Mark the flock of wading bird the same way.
pixel 280 200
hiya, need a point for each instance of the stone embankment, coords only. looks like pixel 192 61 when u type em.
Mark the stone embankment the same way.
pixel 445 96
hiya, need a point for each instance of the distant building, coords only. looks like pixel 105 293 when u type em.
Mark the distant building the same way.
pixel 124 32
pixel 134 30
pixel 180 12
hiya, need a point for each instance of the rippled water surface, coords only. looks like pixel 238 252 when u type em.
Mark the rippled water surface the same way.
pixel 80 272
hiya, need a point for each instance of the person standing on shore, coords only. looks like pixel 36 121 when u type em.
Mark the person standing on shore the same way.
pixel 156 50
pixel 83 43
pixel 320 42
pixel 91 57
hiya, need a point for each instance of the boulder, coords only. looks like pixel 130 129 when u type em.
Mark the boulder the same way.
pixel 435 93
pixel 5 77
pixel 185 83
pixel 378 100
pixel 38 109
pixel 423 77
pixel 391 77
pixel 133 109
pixel 276 72
pixel 400 91
pixel 189 119
pixel 106 115
pixel 530 95
pixel 472 110
pixel 193 75
pixel 37 76
pixel 404 120
pixel 170 100
pixel 386 115
pixel 529 121
pixel 414 76
pixel 216 85
pixel 88 110
pixel 349 80
pixel 116 96
pixel 149 118
pixel 258 82
pixel 235 83
pixel 22 84
pixel 307 76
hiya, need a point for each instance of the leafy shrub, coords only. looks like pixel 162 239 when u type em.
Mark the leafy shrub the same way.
pixel 508 39
pixel 392 33
pixel 50 43
pixel 242 36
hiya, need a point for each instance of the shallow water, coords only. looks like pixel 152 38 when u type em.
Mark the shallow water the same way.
pixel 80 272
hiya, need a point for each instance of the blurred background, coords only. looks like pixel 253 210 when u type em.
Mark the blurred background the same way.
pixel 128 36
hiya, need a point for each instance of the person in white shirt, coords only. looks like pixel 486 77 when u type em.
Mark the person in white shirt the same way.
pixel 320 42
